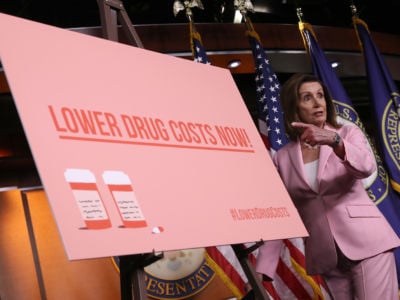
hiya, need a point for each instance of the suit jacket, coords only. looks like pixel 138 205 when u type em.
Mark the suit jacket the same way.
pixel 339 212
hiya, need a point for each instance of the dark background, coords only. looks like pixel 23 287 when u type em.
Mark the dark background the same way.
pixel 380 15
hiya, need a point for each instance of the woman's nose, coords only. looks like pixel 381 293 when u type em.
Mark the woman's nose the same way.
pixel 316 101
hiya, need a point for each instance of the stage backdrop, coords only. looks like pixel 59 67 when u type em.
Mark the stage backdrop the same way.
pixel 140 151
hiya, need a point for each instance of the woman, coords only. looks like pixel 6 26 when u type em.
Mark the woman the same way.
pixel 350 243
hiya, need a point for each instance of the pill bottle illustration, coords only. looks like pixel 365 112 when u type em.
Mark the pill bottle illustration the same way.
pixel 84 188
pixel 124 197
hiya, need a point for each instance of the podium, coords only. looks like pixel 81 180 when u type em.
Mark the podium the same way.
pixel 132 275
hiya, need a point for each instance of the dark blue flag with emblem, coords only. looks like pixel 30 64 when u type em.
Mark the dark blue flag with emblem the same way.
pixel 270 115
pixel 385 101
pixel 377 185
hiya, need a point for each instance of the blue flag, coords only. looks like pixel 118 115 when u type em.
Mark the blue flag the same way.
pixel 377 185
pixel 385 101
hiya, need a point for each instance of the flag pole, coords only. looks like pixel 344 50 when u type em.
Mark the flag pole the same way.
pixel 353 9
pixel 302 24
pixel 300 14
pixel 187 6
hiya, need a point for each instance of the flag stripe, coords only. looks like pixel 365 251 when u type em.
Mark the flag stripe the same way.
pixel 291 281
pixel 226 272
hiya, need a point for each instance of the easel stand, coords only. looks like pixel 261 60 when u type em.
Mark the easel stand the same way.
pixel 32 239
pixel 242 253
pixel 132 282
pixel 132 266
pixel 112 12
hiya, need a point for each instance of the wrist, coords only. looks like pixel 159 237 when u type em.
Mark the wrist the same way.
pixel 336 140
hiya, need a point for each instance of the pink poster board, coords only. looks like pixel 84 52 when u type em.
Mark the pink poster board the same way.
pixel 139 151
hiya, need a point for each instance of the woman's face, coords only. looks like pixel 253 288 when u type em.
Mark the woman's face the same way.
pixel 311 104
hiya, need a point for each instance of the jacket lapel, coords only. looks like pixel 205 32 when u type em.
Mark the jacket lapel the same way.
pixel 296 159
pixel 324 154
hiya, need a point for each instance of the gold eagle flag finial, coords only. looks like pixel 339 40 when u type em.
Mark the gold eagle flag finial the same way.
pixel 187 6
pixel 243 6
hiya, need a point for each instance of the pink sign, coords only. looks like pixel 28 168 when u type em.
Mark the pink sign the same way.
pixel 139 151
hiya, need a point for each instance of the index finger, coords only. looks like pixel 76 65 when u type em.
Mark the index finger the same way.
pixel 300 125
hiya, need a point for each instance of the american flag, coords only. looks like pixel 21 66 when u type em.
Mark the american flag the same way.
pixel 270 115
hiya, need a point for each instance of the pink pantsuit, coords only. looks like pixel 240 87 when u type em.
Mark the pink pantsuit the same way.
pixel 340 212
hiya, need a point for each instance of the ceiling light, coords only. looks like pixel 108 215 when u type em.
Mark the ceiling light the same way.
pixel 234 63
pixel 335 64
